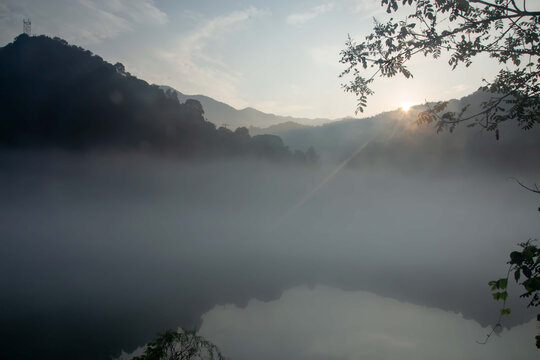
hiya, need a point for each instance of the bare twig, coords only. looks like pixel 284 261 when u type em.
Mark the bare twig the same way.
pixel 534 188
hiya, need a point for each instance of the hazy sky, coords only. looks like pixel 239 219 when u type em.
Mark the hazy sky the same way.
pixel 277 56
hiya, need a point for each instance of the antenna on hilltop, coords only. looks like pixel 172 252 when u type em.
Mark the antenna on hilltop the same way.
pixel 27 26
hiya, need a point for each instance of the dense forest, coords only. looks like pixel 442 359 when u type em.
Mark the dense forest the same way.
pixel 59 96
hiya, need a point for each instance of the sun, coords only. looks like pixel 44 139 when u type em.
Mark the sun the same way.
pixel 406 106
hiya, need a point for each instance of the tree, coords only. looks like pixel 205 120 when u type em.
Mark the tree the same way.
pixel 180 345
pixel 508 32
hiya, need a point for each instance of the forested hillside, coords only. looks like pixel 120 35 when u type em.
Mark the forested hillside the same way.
pixel 57 96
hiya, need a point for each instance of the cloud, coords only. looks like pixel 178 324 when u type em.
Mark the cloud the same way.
pixel 301 18
pixel 326 55
pixel 367 8
pixel 104 24
pixel 194 43
pixel 215 27
pixel 193 63
pixel 328 323
pixel 110 18
pixel 140 11
pixel 82 22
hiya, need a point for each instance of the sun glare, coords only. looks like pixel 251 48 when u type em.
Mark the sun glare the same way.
pixel 405 106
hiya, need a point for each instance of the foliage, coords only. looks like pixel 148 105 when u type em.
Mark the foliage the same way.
pixel 527 263
pixel 465 29
pixel 180 345
pixel 505 31
pixel 60 96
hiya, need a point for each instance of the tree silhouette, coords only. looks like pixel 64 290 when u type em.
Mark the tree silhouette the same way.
pixel 180 345
pixel 507 32
pixel 55 95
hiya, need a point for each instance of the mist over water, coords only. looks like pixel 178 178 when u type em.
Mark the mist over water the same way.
pixel 103 250
pixel 328 323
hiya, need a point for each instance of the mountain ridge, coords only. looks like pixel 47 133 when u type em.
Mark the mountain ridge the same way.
pixel 223 114
pixel 394 138
pixel 61 96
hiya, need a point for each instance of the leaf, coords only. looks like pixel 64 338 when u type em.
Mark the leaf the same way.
pixel 505 311
pixel 515 257
pixel 527 284
pixel 535 283
pixel 528 252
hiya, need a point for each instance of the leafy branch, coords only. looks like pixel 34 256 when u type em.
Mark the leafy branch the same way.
pixel 465 29
pixel 497 285
pixel 524 263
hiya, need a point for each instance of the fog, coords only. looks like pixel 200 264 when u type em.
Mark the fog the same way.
pixel 103 250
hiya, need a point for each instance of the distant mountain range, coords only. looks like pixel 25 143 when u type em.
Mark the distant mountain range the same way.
pixel 222 114
pixel 54 95
pixel 281 128
pixel 391 138
pixel 395 140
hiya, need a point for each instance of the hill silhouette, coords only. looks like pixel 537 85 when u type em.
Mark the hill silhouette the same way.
pixel 394 139
pixel 223 114
pixel 60 96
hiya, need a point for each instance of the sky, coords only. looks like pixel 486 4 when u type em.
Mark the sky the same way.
pixel 280 57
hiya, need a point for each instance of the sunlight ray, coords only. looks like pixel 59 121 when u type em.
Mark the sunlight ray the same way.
pixel 329 177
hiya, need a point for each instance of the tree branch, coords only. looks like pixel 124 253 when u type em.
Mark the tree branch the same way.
pixel 516 10
pixel 501 314
pixel 534 189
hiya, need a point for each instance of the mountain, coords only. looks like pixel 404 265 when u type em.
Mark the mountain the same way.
pixel 222 114
pixel 277 129
pixel 395 140
pixel 58 96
